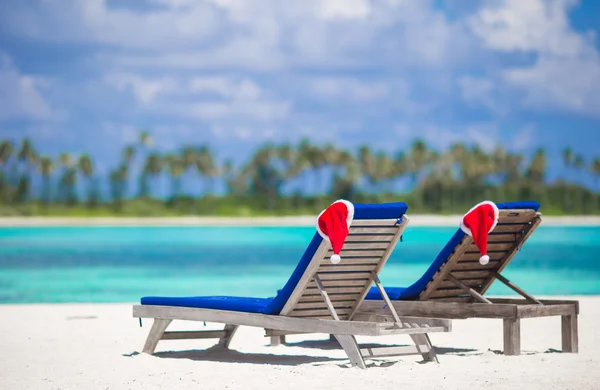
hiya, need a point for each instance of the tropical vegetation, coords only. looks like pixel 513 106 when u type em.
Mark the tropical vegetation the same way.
pixel 286 179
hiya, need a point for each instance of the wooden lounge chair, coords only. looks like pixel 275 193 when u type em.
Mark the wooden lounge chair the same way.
pixel 455 284
pixel 319 297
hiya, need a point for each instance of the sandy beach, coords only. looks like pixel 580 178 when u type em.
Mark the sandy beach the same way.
pixel 306 220
pixel 97 346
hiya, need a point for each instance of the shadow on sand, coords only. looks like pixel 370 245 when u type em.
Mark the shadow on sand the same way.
pixel 219 354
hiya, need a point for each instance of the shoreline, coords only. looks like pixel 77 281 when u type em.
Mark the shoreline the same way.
pixel 283 221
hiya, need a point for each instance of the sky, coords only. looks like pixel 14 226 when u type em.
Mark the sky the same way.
pixel 86 75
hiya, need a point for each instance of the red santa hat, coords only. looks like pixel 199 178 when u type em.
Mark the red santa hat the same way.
pixel 333 224
pixel 478 222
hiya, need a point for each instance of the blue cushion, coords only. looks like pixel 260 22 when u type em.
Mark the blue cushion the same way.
pixel 274 305
pixel 249 305
pixel 412 292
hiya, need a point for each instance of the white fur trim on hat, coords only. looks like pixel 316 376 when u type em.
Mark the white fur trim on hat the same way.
pixel 467 230
pixel 349 219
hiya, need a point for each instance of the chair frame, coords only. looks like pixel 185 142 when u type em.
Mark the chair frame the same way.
pixel 456 290
pixel 304 312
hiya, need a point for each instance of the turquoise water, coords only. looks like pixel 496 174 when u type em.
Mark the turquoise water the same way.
pixel 121 264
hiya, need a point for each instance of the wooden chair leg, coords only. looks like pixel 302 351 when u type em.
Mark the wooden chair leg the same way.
pixel 350 346
pixel 512 336
pixel 570 334
pixel 422 340
pixel 156 333
pixel 230 331
pixel 277 340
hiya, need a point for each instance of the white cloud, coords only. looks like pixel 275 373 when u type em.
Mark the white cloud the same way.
pixel 145 90
pixel 344 9
pixel 202 97
pixel 349 89
pixel 540 26
pixel 565 74
pixel 571 85
pixel 240 67
pixel 20 94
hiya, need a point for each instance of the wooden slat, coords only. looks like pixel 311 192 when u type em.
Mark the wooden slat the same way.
pixel 445 308
pixel 313 290
pixel 467 299
pixel 473 283
pixel 503 237
pixel 444 293
pixel 502 228
pixel 494 256
pixel 343 267
pixel 189 335
pixel 354 260
pixel 368 238
pixel 514 216
pixel 340 283
pixel 365 245
pixel 373 230
pixel 322 305
pixel 319 312
pixel 374 222
pixel 491 247
pixel 345 276
pixel 474 265
pixel 364 253
pixel 317 297
pixel 479 274
pixel 280 322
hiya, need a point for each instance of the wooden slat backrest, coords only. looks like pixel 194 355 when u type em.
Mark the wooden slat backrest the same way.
pixel 513 229
pixel 366 250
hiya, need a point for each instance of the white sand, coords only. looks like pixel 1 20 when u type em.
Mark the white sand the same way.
pixel 307 220
pixel 95 346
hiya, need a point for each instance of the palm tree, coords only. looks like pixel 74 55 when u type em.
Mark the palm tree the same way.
pixel 567 156
pixel 152 168
pixel 118 180
pixel 68 179
pixel 205 166
pixel 176 168
pixel 595 169
pixel 6 151
pixel 27 157
pixel 367 163
pixel 287 157
pixel 46 167
pixel 85 166
pixel 188 158
pixel 537 169
pixel 145 142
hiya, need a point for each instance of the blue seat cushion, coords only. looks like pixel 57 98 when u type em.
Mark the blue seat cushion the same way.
pixel 275 304
pixel 245 304
pixel 413 291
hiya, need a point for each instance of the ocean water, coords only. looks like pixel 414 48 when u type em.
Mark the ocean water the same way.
pixel 121 264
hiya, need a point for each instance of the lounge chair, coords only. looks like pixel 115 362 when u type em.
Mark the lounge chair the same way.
pixel 319 297
pixel 455 283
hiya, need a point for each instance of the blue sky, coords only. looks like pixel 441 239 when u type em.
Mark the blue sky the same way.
pixel 85 75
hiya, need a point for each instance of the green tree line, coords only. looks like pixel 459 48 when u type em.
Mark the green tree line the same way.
pixel 287 179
